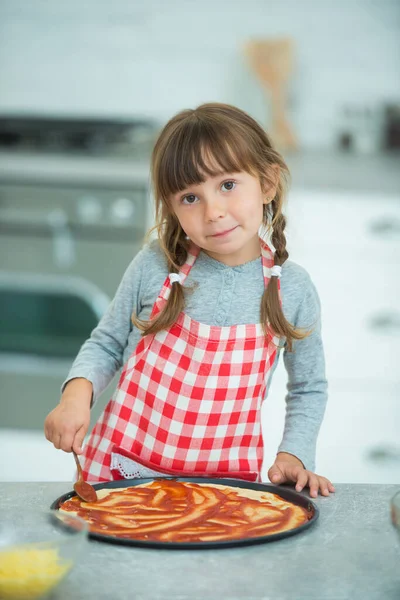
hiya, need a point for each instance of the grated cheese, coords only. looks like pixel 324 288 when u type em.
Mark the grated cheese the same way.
pixel 30 572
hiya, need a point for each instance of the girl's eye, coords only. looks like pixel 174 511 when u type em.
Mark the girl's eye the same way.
pixel 189 199
pixel 229 185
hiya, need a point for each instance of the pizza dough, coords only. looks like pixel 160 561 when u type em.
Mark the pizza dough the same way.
pixel 166 510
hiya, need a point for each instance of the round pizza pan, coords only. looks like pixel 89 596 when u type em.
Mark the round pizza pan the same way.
pixel 284 492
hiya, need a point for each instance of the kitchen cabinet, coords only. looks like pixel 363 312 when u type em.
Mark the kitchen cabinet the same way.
pixel 360 315
pixel 351 223
pixel 359 439
pixel 350 245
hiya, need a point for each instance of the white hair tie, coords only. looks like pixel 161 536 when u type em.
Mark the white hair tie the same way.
pixel 175 278
pixel 276 271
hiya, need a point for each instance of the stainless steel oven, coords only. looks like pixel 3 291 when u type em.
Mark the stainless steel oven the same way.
pixel 69 225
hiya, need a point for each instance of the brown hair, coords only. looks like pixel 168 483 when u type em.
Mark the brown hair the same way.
pixel 215 138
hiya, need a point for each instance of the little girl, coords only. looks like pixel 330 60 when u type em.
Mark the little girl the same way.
pixel 199 320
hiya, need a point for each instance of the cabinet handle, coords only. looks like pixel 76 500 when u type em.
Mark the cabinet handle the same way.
pixel 384 454
pixel 386 227
pixel 385 322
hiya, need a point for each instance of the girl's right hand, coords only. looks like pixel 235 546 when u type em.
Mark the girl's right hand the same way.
pixel 67 424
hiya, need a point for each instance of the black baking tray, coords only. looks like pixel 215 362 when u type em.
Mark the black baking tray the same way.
pixel 283 492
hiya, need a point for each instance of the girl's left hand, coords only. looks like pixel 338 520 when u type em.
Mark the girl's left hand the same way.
pixel 289 469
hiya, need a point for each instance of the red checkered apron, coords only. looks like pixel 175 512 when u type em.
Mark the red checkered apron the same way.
pixel 188 401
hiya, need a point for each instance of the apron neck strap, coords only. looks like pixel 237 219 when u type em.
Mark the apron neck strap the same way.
pixel 267 255
pixel 184 271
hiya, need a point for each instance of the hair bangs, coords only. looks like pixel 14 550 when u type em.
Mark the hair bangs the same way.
pixel 198 150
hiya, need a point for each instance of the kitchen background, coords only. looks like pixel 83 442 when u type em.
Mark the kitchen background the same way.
pixel 84 88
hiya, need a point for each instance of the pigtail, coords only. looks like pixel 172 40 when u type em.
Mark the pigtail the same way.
pixel 272 317
pixel 175 248
pixel 168 316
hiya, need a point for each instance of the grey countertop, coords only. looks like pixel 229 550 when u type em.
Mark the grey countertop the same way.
pixel 351 553
pixel 344 171
pixel 312 169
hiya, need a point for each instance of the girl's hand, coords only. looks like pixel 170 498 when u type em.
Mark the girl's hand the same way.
pixel 289 469
pixel 67 424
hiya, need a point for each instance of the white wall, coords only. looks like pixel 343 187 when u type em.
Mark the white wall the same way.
pixel 153 57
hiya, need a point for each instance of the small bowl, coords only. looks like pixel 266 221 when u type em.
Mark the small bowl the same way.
pixel 37 551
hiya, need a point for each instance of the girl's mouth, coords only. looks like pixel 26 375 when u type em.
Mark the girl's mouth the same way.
pixel 224 233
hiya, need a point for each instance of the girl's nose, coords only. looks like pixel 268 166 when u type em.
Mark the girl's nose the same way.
pixel 215 209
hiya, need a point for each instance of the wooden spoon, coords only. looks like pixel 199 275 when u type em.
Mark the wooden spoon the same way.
pixel 272 62
pixel 84 490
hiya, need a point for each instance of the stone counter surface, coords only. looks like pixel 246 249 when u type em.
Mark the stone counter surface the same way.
pixel 351 553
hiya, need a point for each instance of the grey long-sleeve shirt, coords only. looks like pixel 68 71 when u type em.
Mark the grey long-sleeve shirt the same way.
pixel 224 296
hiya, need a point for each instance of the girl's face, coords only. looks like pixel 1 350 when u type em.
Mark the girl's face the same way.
pixel 223 215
